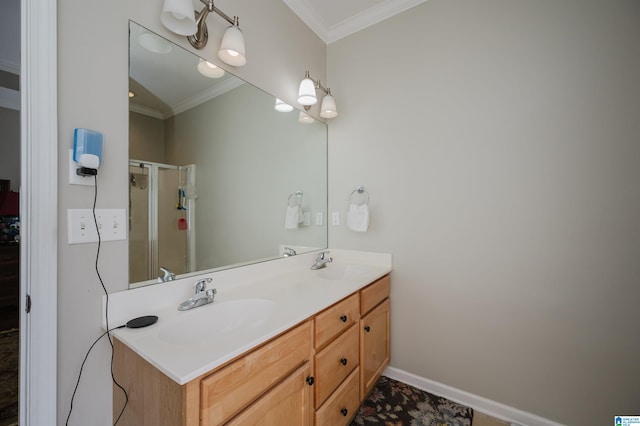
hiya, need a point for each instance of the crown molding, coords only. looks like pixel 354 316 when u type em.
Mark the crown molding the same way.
pixel 144 110
pixel 9 98
pixel 369 17
pixel 309 17
pixel 353 24
pixel 192 102
pixel 9 66
pixel 203 97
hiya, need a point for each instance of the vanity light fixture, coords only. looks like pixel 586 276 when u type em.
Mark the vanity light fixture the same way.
pixel 307 97
pixel 210 70
pixel 154 43
pixel 305 118
pixel 179 17
pixel 281 106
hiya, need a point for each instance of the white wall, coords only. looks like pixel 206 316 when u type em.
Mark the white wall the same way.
pixel 92 89
pixel 499 142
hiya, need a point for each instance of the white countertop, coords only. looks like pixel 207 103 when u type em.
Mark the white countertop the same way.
pixel 254 303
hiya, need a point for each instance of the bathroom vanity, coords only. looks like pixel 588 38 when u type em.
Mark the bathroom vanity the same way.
pixel 313 347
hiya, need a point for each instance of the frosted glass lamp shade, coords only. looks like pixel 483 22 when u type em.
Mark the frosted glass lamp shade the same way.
pixel 232 47
pixel 282 106
pixel 307 92
pixel 210 70
pixel 179 17
pixel 154 43
pixel 304 118
pixel 328 108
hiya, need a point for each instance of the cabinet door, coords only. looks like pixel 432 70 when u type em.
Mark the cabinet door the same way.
pixel 374 346
pixel 289 403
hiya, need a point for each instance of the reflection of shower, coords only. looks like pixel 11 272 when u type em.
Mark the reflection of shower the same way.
pixel 161 222
pixel 139 180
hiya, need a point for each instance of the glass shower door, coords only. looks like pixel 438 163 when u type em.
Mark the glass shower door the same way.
pixel 158 220
pixel 139 242
pixel 172 222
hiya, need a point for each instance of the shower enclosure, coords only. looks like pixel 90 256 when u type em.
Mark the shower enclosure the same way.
pixel 161 219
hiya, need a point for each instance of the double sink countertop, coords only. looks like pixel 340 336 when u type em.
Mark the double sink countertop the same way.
pixel 253 304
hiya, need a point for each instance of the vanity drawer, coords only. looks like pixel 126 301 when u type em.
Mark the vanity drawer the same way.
pixel 224 393
pixel 335 362
pixel 336 319
pixel 374 294
pixel 343 404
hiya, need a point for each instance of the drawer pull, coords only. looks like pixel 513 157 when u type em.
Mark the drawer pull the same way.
pixel 344 412
pixel 343 361
pixel 343 318
pixel 310 380
pixel 367 328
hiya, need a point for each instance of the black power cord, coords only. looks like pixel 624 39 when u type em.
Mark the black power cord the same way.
pixel 106 318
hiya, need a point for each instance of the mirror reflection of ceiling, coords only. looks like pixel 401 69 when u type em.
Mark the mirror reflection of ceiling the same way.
pixel 163 91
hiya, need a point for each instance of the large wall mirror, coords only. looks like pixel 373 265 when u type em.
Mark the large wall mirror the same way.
pixel 217 177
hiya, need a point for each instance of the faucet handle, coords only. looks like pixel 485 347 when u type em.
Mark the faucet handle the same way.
pixel 201 285
pixel 322 254
pixel 167 275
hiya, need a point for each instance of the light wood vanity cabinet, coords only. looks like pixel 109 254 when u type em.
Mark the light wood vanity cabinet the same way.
pixel 227 391
pixel 316 373
pixel 289 403
pixel 374 333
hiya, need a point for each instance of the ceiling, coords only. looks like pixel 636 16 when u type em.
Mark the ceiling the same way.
pixel 332 20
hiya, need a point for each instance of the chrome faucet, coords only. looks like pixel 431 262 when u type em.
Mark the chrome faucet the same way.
pixel 201 295
pixel 167 275
pixel 288 251
pixel 321 260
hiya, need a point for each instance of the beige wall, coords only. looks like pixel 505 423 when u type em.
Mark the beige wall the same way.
pixel 499 142
pixel 146 138
pixel 249 158
pixel 92 92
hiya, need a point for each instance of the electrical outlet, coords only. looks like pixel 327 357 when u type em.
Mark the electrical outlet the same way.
pixel 82 226
pixel 74 178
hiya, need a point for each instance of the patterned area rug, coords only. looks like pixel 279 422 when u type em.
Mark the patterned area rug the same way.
pixel 393 403
pixel 9 376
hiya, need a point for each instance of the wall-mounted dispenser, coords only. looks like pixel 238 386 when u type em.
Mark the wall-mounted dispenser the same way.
pixel 87 151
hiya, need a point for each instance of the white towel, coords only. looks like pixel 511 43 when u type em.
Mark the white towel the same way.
pixel 358 217
pixel 293 217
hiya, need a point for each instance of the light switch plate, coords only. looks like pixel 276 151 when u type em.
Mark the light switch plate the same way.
pixel 82 228
pixel 319 219
pixel 335 218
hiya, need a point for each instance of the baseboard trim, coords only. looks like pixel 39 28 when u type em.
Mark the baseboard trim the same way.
pixel 492 408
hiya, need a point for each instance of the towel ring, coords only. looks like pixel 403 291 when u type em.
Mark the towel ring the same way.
pixel 359 190
pixel 298 199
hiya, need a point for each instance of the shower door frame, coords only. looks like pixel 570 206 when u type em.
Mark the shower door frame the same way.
pixel 152 248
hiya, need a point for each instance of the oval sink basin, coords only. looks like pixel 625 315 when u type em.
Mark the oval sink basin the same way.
pixel 340 271
pixel 201 325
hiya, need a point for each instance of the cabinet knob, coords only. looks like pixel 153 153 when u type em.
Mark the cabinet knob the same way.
pixel 367 328
pixel 310 380
pixel 344 412
pixel 343 361
pixel 343 318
